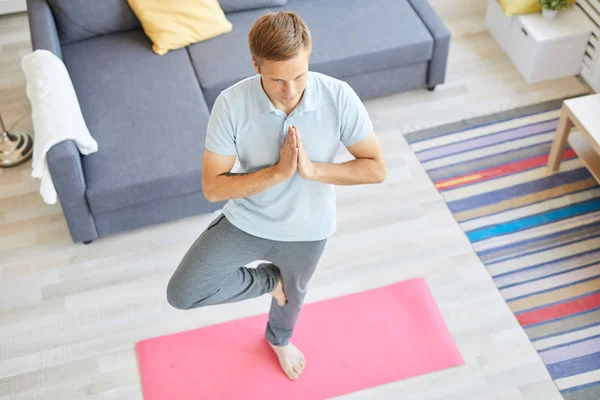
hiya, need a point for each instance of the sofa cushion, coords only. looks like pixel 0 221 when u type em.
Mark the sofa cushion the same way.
pixel 378 34
pixel 146 112
pixel 175 24
pixel 82 19
pixel 243 5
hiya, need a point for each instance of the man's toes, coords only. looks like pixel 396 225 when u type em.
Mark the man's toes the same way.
pixel 290 370
pixel 292 374
pixel 296 372
pixel 299 364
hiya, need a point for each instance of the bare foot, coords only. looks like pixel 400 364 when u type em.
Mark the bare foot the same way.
pixel 278 293
pixel 291 359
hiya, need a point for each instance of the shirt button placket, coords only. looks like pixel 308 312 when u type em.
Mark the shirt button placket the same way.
pixel 286 125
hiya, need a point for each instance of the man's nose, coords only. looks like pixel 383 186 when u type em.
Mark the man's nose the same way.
pixel 289 87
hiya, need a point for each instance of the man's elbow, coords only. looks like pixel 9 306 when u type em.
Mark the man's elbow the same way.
pixel 209 192
pixel 210 197
pixel 381 172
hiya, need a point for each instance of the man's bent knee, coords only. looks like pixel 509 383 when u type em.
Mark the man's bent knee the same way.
pixel 183 299
pixel 177 298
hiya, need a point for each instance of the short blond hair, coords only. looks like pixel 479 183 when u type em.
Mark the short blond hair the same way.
pixel 278 36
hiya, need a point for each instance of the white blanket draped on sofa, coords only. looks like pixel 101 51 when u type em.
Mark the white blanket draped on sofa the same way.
pixel 55 113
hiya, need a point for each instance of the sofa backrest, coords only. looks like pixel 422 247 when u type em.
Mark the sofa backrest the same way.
pixel 83 19
pixel 242 5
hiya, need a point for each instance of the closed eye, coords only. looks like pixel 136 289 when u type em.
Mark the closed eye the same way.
pixel 281 80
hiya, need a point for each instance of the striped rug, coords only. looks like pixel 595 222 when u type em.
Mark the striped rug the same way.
pixel 537 234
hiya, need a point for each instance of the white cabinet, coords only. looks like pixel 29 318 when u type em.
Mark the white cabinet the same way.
pixel 590 70
pixel 12 6
pixel 539 48
pixel 498 24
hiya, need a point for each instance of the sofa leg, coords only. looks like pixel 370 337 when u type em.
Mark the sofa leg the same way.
pixel 87 241
pixel 431 88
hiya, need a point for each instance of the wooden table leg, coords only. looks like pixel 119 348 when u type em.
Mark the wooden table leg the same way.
pixel 560 140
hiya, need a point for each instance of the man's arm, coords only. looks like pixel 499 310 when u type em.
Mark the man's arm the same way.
pixel 219 183
pixel 367 167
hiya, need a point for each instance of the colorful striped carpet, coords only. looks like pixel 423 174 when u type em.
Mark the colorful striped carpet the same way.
pixel 537 234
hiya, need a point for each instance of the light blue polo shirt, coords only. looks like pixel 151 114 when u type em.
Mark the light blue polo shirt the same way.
pixel 244 122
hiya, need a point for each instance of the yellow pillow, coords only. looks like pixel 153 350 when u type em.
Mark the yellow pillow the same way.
pixel 514 7
pixel 173 24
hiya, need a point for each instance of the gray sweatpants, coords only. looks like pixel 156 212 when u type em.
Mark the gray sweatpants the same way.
pixel 213 272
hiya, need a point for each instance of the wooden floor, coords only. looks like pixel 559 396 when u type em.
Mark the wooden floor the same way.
pixel 70 314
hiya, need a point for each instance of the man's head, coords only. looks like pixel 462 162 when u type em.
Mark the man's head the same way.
pixel 280 44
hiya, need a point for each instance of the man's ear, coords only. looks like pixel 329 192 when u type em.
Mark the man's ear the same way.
pixel 256 66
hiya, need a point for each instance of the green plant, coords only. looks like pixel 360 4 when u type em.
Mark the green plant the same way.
pixel 553 4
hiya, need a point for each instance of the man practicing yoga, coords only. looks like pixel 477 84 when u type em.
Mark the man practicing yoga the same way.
pixel 285 125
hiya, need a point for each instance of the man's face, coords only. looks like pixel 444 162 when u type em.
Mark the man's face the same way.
pixel 284 81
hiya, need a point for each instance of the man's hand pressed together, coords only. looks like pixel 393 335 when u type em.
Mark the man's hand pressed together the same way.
pixel 306 167
pixel 288 155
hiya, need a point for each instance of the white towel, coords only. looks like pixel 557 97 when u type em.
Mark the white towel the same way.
pixel 55 113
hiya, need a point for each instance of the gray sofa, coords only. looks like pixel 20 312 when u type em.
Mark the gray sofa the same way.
pixel 149 113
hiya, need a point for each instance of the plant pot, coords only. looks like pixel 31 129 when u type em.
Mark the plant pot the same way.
pixel 549 14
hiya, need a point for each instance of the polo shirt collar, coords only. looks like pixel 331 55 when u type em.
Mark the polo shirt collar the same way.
pixel 307 104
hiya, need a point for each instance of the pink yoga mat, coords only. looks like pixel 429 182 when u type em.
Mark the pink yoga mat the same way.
pixel 350 343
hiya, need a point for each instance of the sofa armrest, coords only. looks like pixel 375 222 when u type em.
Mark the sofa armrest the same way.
pixel 64 159
pixel 64 164
pixel 441 37
pixel 42 27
